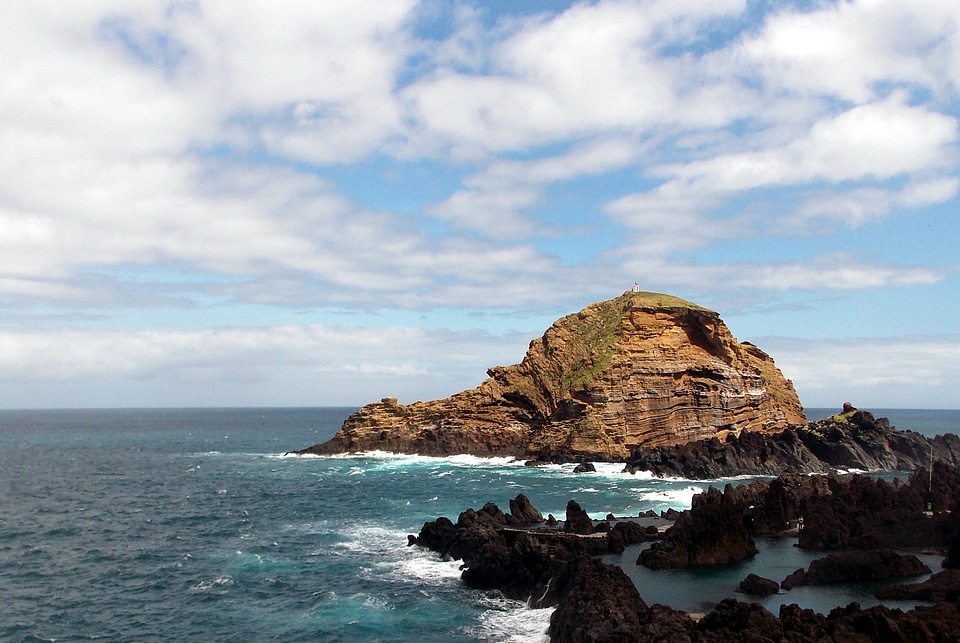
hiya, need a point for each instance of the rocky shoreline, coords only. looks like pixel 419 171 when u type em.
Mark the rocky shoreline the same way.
pixel 850 440
pixel 857 521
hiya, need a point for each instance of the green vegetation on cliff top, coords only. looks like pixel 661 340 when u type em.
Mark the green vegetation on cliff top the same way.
pixel 595 334
pixel 652 300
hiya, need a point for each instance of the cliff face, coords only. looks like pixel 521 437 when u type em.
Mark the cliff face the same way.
pixel 640 370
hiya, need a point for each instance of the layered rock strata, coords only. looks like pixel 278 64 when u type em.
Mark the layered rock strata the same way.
pixel 643 369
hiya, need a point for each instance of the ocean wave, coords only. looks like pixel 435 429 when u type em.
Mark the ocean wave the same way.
pixel 676 498
pixel 508 621
pixel 219 585
pixel 425 568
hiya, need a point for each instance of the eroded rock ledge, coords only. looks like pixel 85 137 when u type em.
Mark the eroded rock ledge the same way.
pixel 643 369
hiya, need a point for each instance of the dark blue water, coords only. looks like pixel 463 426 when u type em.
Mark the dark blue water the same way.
pixel 150 525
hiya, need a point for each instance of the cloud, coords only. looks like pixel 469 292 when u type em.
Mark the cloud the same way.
pixel 861 206
pixel 591 69
pixel 852 50
pixel 875 141
pixel 318 364
pixel 495 201
pixel 905 372
pixel 170 157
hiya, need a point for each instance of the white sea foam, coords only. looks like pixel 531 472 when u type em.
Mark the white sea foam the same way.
pixel 676 498
pixel 425 568
pixel 390 459
pixel 219 585
pixel 613 469
pixel 372 540
pixel 507 621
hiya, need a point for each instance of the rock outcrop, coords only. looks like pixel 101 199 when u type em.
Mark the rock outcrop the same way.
pixel 856 566
pixel 754 585
pixel 851 440
pixel 640 370
pixel 942 586
pixel 598 603
pixel 516 553
pixel 711 533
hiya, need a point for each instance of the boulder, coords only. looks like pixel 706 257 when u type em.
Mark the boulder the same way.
pixel 754 585
pixel 585 467
pixel 522 512
pixel 624 534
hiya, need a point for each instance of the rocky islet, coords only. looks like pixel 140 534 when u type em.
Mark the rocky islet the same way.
pixel 640 370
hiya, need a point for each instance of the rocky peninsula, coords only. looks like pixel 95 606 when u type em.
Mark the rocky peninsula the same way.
pixel 638 371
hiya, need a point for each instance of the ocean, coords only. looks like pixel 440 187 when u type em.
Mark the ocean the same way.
pixel 192 524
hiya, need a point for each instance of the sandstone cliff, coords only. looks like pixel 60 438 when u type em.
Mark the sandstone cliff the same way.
pixel 643 369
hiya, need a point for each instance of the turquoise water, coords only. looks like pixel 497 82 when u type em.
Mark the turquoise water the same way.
pixel 156 525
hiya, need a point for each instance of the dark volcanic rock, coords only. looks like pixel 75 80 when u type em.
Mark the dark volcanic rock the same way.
pixel 772 507
pixel 522 512
pixel 942 586
pixel 754 585
pixel 857 566
pixel 578 522
pixel 520 562
pixel 863 512
pixel 599 603
pixel 585 467
pixel 850 440
pixel 711 533
pixel 732 620
pixel 624 534
pixel 735 622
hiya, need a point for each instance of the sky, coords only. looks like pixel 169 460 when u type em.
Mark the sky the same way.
pixel 305 203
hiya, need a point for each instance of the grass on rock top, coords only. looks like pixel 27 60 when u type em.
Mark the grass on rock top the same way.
pixel 595 334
